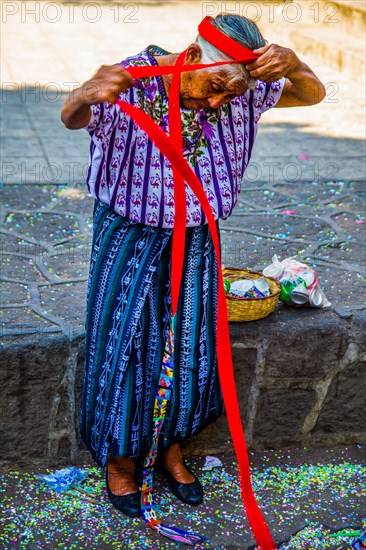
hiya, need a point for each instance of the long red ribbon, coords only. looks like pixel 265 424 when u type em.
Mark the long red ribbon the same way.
pixel 172 148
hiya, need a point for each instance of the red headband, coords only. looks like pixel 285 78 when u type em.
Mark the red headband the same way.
pixel 224 43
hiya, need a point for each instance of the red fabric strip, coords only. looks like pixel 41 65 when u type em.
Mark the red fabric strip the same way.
pixel 171 147
pixel 223 42
pixel 150 70
pixel 226 372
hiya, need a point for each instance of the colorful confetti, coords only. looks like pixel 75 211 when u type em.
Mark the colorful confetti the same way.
pixel 310 504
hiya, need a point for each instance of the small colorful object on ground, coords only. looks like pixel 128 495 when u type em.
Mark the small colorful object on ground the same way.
pixel 212 462
pixel 299 283
pixel 63 480
pixel 360 543
pixel 36 517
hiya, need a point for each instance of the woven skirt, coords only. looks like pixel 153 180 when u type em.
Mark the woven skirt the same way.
pixel 128 316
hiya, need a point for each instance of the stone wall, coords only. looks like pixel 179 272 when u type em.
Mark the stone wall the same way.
pixel 300 380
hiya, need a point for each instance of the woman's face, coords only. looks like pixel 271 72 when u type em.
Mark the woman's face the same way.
pixel 208 87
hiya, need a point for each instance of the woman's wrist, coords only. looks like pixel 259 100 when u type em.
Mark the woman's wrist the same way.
pixel 76 111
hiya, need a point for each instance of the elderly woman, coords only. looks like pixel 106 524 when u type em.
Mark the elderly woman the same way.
pixel 129 290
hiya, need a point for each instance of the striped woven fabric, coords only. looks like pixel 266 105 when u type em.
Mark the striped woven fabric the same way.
pixel 127 323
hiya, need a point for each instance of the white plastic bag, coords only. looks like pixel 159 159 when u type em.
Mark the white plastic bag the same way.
pixel 299 283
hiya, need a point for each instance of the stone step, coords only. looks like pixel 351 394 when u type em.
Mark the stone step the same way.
pixel 348 16
pixel 331 32
pixel 340 51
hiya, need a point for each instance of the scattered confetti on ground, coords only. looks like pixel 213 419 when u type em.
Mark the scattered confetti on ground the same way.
pixel 314 506
pixel 46 243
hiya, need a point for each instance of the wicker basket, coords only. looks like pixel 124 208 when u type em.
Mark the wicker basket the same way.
pixel 250 309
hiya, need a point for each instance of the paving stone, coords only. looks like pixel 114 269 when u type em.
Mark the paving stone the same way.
pixel 279 169
pixel 23 247
pixel 18 268
pixel 13 293
pixel 262 198
pixel 254 251
pixel 74 199
pixel 351 229
pixel 44 226
pixel 71 263
pixel 346 288
pixel 245 360
pixel 70 298
pixel 29 404
pixel 20 169
pixel 347 251
pixel 358 329
pixel 282 226
pixel 35 196
pixel 22 320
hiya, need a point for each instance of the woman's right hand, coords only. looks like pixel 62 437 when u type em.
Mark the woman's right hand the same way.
pixel 106 85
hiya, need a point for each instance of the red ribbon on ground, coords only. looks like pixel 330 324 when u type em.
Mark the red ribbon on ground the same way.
pixel 172 148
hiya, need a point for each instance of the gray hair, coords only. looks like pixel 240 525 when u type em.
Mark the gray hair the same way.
pixel 242 30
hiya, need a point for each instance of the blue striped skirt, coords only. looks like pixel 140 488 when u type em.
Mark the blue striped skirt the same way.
pixel 127 322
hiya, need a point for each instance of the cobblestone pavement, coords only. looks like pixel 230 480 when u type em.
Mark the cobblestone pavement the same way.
pixel 313 499
pixel 46 234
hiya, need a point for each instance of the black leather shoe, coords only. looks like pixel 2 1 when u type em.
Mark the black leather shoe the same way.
pixel 190 493
pixel 130 504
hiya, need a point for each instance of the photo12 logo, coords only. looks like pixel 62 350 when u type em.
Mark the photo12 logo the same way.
pixel 53 12
pixel 292 171
pixel 288 11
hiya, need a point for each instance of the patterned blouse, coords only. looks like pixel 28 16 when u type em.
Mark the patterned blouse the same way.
pixel 128 172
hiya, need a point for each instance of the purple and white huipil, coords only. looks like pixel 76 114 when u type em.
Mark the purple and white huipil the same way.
pixel 129 173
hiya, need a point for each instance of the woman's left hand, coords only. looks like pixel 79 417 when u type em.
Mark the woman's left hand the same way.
pixel 274 63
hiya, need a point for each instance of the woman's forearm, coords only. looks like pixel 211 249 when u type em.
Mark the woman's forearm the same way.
pixel 306 87
pixel 75 112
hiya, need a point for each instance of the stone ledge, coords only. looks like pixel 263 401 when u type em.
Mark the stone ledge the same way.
pixel 347 55
pixel 300 378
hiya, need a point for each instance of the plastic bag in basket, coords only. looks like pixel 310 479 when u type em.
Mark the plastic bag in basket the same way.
pixel 299 283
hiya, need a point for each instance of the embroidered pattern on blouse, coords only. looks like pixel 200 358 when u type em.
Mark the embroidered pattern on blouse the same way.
pixel 129 173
